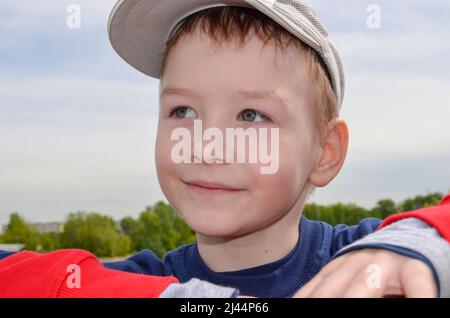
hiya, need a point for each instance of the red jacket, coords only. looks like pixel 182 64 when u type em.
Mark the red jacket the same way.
pixel 60 273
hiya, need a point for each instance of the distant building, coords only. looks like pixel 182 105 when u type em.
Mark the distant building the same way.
pixel 51 227
pixel 119 226
pixel 11 247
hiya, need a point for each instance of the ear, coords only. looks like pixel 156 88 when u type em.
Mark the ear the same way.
pixel 332 154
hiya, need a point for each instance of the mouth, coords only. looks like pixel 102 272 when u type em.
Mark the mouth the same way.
pixel 211 188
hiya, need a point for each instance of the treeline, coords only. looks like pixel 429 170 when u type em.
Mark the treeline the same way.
pixel 160 229
pixel 340 213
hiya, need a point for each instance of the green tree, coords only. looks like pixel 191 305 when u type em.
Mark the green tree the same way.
pixel 19 231
pixel 338 213
pixel 95 233
pixel 420 201
pixel 384 208
pixel 133 229
pixel 50 242
pixel 158 228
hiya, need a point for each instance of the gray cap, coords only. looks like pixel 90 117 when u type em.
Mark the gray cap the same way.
pixel 139 29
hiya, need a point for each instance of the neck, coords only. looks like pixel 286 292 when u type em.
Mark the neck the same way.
pixel 264 246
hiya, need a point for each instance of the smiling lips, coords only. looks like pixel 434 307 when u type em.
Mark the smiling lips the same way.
pixel 204 187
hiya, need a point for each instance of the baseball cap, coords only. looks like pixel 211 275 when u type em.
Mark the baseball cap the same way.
pixel 139 29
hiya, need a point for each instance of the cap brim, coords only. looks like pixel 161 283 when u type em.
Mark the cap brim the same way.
pixel 138 29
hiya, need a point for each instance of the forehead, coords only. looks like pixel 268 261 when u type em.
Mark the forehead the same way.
pixel 198 63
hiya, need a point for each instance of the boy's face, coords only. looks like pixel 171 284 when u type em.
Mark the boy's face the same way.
pixel 214 77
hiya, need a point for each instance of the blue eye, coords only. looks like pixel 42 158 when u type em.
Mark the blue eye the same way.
pixel 183 112
pixel 252 115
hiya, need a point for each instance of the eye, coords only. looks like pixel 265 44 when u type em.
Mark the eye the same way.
pixel 183 112
pixel 252 115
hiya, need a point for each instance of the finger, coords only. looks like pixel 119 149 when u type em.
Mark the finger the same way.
pixel 336 283
pixel 316 280
pixel 372 280
pixel 418 281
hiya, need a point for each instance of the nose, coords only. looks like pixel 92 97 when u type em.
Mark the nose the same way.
pixel 209 142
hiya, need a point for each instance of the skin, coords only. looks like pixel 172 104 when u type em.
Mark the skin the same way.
pixel 258 222
pixel 347 277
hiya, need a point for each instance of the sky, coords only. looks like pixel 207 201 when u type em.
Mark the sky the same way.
pixel 78 124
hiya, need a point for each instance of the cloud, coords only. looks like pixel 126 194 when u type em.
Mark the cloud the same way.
pixel 398 114
pixel 77 143
pixel 58 95
pixel 35 40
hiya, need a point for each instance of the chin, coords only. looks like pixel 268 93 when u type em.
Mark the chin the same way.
pixel 213 226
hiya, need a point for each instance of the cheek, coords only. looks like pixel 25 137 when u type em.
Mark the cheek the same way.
pixel 165 167
pixel 279 191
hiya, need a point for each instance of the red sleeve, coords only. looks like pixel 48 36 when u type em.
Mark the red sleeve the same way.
pixel 72 273
pixel 436 216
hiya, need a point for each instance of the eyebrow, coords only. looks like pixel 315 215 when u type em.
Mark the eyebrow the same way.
pixel 177 91
pixel 249 94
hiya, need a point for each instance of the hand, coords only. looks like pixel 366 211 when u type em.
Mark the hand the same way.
pixel 372 273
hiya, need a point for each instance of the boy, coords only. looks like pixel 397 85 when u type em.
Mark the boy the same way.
pixel 259 64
